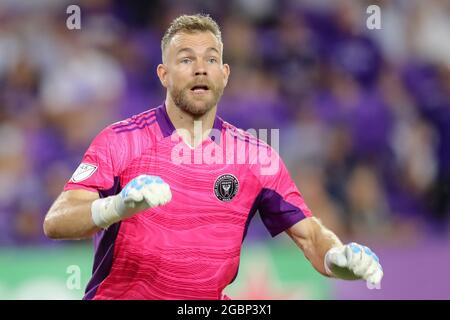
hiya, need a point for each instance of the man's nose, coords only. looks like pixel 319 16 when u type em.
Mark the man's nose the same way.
pixel 200 69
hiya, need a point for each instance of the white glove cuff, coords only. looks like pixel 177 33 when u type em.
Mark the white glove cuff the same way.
pixel 327 263
pixel 105 211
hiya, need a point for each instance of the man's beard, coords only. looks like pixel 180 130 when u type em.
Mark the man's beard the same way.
pixel 186 102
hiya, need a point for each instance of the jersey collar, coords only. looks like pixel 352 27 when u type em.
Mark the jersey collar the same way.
pixel 167 127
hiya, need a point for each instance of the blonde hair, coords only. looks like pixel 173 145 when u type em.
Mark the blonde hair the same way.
pixel 190 24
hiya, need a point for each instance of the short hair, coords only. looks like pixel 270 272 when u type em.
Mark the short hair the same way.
pixel 190 24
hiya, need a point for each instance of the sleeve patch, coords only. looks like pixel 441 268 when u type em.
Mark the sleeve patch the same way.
pixel 84 171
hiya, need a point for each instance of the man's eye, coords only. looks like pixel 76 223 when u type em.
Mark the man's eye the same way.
pixel 185 60
pixel 212 60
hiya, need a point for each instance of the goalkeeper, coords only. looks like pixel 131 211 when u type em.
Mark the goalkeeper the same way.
pixel 170 229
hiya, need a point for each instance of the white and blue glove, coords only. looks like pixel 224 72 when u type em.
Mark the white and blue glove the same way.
pixel 352 262
pixel 139 194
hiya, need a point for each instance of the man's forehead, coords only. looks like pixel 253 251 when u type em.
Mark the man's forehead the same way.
pixel 194 40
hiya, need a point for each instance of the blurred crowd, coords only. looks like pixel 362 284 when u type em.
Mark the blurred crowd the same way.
pixel 364 115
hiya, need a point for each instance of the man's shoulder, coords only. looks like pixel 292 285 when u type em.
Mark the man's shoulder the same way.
pixel 252 137
pixel 135 123
pixel 127 139
pixel 139 131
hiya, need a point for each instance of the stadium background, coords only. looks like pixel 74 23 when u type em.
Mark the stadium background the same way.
pixel 364 119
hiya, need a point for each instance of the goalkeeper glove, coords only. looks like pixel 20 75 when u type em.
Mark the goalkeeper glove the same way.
pixel 139 194
pixel 352 262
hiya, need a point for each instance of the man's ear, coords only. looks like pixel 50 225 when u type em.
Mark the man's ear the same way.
pixel 161 70
pixel 226 73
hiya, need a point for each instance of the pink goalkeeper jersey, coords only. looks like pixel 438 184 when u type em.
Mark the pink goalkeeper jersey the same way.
pixel 190 247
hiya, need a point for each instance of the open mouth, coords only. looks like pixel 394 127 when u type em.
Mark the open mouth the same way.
pixel 200 88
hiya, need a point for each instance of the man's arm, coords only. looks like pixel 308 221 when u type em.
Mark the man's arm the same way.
pixel 330 257
pixel 315 240
pixel 78 214
pixel 70 216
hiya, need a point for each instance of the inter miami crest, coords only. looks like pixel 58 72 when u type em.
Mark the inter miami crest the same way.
pixel 226 187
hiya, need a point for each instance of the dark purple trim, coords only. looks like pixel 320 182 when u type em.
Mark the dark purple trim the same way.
pixel 250 216
pixel 218 126
pixel 167 127
pixel 104 248
pixel 276 213
pixel 164 122
pixel 136 121
pixel 103 260
pixel 142 126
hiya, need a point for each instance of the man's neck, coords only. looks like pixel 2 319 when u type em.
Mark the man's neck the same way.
pixel 192 129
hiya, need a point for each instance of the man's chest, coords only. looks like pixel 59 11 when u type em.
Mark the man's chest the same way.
pixel 198 186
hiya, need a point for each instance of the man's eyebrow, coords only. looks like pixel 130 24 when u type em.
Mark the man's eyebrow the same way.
pixel 213 49
pixel 188 50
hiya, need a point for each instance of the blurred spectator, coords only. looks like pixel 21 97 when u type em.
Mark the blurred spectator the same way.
pixel 367 205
